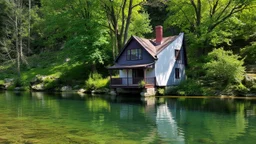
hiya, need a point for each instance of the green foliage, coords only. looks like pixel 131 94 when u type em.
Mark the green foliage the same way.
pixel 189 87
pixel 240 89
pixel 142 84
pixel 77 25
pixel 1 82
pixel 50 83
pixel 224 67
pixel 209 24
pixel 18 82
pixel 140 25
pixel 253 88
pixel 95 81
pixel 161 91
pixel 249 53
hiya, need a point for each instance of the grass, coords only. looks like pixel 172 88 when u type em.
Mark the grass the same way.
pixel 63 65
pixel 1 82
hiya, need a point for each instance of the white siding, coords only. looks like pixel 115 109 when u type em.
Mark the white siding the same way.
pixel 166 64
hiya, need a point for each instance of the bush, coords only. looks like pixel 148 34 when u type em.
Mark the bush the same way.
pixel 253 88
pixel 50 83
pixel 240 89
pixel 1 82
pixel 190 87
pixel 249 53
pixel 224 67
pixel 18 83
pixel 142 84
pixel 95 81
pixel 161 91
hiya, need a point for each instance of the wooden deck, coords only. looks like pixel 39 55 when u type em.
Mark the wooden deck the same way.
pixel 132 82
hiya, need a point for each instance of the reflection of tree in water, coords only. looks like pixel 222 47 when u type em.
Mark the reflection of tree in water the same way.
pixel 211 120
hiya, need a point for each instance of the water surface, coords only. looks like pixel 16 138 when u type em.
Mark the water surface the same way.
pixel 70 118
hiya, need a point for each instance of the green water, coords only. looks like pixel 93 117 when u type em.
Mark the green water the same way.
pixel 69 118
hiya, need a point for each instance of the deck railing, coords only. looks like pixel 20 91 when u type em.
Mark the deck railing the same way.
pixel 129 81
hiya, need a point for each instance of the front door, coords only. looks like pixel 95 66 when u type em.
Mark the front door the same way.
pixel 137 75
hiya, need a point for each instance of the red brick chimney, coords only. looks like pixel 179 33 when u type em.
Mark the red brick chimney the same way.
pixel 159 34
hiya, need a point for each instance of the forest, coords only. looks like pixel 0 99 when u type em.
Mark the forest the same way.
pixel 47 44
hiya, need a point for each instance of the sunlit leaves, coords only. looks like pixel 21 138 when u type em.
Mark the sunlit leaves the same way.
pixel 224 67
pixel 78 25
pixel 213 22
pixel 249 53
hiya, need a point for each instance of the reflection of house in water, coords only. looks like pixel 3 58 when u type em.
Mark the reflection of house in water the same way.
pixel 126 112
pixel 167 127
pixel 164 116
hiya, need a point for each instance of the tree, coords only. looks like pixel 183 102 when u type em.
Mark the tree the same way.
pixel 77 25
pixel 249 53
pixel 120 16
pixel 208 23
pixel 16 27
pixel 224 67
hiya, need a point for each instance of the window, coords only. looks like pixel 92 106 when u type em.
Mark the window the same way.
pixel 177 54
pixel 177 73
pixel 133 54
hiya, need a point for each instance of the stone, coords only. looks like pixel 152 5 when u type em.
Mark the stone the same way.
pixel 249 81
pixel 81 94
pixel 113 93
pixel 38 87
pixel 66 88
pixel 148 92
pixel 8 80
pixel 81 90
pixel 100 91
pixel 19 89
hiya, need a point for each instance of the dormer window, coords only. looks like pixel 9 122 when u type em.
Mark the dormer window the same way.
pixel 177 54
pixel 133 54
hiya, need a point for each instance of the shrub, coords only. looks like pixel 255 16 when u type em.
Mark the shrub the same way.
pixel 224 67
pixel 1 82
pixel 95 81
pixel 142 84
pixel 18 83
pixel 240 89
pixel 249 53
pixel 189 87
pixel 161 91
pixel 50 85
pixel 253 88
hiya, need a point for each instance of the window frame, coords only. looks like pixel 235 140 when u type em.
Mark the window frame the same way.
pixel 177 54
pixel 177 73
pixel 137 54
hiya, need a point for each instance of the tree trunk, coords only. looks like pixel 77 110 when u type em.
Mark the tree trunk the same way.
pixel 17 44
pixel 29 26
pixel 128 21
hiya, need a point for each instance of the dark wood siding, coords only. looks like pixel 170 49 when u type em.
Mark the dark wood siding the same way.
pixel 146 58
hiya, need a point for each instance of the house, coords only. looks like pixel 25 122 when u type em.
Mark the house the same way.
pixel 158 62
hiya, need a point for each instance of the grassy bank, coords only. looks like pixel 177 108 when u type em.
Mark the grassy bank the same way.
pixel 64 67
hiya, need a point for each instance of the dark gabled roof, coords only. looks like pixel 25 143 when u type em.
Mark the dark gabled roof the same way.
pixel 150 45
